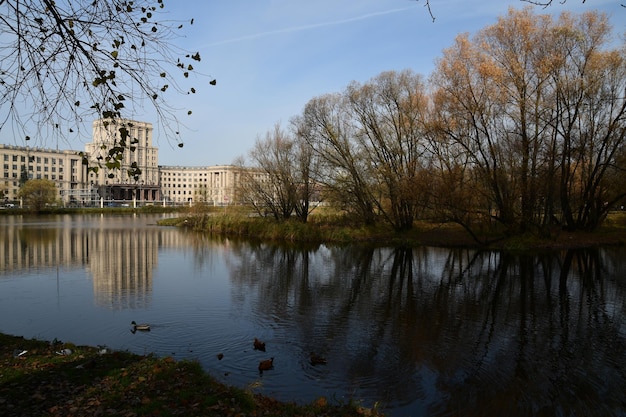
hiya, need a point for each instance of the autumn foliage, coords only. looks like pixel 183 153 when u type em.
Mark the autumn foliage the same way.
pixel 520 128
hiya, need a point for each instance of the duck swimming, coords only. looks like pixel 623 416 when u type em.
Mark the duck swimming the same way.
pixel 258 345
pixel 317 359
pixel 141 327
pixel 266 364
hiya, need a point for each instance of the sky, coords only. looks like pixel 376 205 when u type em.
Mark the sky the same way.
pixel 270 57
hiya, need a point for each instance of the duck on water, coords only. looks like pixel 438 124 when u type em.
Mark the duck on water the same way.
pixel 143 327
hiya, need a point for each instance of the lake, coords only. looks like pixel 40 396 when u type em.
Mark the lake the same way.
pixel 419 331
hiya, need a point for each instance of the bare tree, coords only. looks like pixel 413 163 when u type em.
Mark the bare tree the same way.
pixel 466 116
pixel 306 167
pixel 326 126
pixel 537 108
pixel 390 112
pixel 590 118
pixel 281 182
pixel 64 63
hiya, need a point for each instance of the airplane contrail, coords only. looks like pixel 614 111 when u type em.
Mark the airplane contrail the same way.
pixel 307 27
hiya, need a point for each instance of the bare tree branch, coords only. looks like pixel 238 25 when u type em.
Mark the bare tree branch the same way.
pixel 66 63
pixel 430 12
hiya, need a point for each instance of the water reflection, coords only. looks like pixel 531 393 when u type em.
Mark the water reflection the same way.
pixel 120 263
pixel 463 332
pixel 426 331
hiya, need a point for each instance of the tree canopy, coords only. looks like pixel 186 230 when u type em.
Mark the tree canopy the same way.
pixel 520 127
pixel 66 62
pixel 38 193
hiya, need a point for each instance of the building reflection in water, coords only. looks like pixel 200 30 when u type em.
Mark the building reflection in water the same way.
pixel 121 258
pixel 122 264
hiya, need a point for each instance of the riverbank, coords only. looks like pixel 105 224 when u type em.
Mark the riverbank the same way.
pixel 39 378
pixel 330 229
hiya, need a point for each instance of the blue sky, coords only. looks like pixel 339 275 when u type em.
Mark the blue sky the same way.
pixel 270 57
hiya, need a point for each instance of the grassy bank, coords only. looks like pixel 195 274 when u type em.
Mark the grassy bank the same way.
pixel 335 229
pixel 39 378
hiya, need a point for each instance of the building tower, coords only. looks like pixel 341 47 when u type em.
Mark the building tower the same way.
pixel 116 184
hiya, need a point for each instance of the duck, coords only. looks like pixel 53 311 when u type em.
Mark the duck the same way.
pixel 141 327
pixel 266 364
pixel 258 345
pixel 317 359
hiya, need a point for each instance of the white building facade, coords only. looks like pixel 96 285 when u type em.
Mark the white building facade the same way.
pixel 212 185
pixel 79 186
pixel 19 164
pixel 115 184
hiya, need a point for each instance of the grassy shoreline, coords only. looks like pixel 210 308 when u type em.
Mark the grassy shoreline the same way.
pixel 61 379
pixel 332 228
pixel 336 230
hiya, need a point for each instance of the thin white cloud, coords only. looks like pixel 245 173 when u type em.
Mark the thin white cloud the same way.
pixel 308 27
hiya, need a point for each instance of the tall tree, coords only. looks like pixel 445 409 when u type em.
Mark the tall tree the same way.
pixel 590 118
pixel 466 109
pixel 390 112
pixel 64 63
pixel 534 102
pixel 326 126
pixel 281 182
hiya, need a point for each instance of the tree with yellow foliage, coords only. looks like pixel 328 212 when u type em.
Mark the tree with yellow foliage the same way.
pixel 36 194
pixel 535 108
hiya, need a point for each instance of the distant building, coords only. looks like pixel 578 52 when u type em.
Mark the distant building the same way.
pixel 215 185
pixel 115 184
pixel 19 164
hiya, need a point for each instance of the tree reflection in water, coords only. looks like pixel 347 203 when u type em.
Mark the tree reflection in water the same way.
pixel 453 332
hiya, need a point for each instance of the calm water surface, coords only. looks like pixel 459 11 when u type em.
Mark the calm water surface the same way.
pixel 423 332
